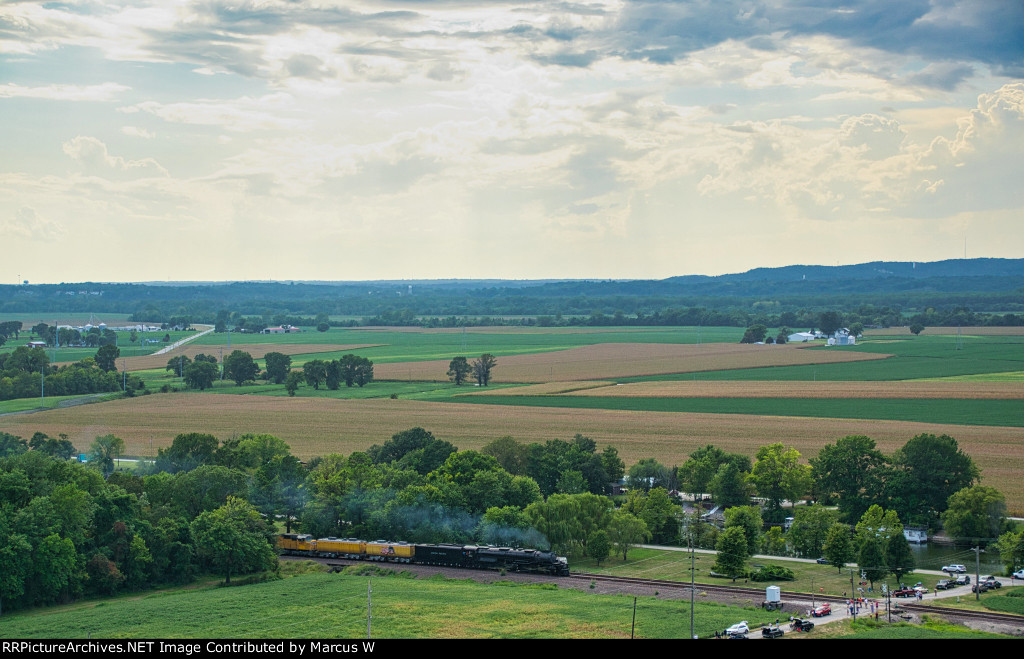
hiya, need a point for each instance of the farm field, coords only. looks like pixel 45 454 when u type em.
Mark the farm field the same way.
pixel 726 389
pixel 914 358
pixel 625 360
pixel 929 410
pixel 317 426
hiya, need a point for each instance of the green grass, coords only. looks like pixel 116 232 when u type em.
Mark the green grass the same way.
pixel 991 412
pixel 425 346
pixel 334 606
pixel 930 629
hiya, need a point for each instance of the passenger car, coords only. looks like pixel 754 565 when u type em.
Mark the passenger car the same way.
pixel 954 569
pixel 823 610
pixel 905 592
pixel 773 631
pixel 945 584
pixel 738 628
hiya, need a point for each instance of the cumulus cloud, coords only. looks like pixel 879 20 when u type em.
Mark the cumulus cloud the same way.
pixel 92 154
pixel 27 223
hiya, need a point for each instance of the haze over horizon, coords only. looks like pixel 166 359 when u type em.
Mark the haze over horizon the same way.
pixel 206 140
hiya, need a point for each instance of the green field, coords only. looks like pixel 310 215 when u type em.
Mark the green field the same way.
pixel 334 606
pixel 427 345
pixel 931 410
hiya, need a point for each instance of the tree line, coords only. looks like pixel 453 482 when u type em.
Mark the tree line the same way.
pixel 68 529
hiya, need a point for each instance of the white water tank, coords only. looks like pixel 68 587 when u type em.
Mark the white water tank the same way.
pixel 773 594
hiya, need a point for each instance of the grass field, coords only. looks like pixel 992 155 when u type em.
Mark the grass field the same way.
pixel 972 411
pixel 323 606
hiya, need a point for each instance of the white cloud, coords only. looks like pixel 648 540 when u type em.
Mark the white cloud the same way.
pixel 92 154
pixel 107 91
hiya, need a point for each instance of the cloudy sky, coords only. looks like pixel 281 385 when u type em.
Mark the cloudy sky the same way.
pixel 216 139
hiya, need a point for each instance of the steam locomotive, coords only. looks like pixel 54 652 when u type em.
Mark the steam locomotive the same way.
pixel 485 557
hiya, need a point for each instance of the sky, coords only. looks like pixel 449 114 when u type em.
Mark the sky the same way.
pixel 417 139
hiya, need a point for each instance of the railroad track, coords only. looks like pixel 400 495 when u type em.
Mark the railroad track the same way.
pixel 802 599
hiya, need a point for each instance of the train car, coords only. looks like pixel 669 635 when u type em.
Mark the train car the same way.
pixel 521 560
pixel 296 543
pixel 447 555
pixel 391 552
pixel 341 548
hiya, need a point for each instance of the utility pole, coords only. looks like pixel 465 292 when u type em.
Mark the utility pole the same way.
pixel 689 541
pixel 369 606
pixel 977 573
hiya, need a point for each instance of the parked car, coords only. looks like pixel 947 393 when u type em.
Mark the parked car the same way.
pixel 823 610
pixel 980 588
pixel 921 589
pixel 1019 574
pixel 963 580
pixel 738 628
pixel 954 569
pixel 823 561
pixel 905 592
pixel 991 582
pixel 801 625
pixel 773 631
pixel 945 584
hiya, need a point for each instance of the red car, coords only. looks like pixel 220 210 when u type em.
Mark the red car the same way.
pixel 905 592
pixel 823 610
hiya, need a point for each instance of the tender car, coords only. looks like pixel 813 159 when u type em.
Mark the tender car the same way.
pixel 954 569
pixel 945 584
pixel 773 631
pixel 823 610
pixel 904 592
pixel 738 628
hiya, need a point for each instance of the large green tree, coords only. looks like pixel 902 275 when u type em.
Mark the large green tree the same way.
pixel 278 365
pixel 747 518
pixel 838 547
pixel 977 513
pixel 234 538
pixel 458 370
pixel 240 367
pixel 482 368
pixel 810 528
pixel 778 475
pixel 926 471
pixel 626 530
pixel 104 450
pixel 106 357
pixel 732 548
pixel 851 471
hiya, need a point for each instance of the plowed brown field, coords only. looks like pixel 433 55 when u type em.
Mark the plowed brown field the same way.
pixel 616 360
pixel 314 426
pixel 722 389
pixel 257 350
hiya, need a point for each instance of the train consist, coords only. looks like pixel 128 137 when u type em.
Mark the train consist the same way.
pixel 447 555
